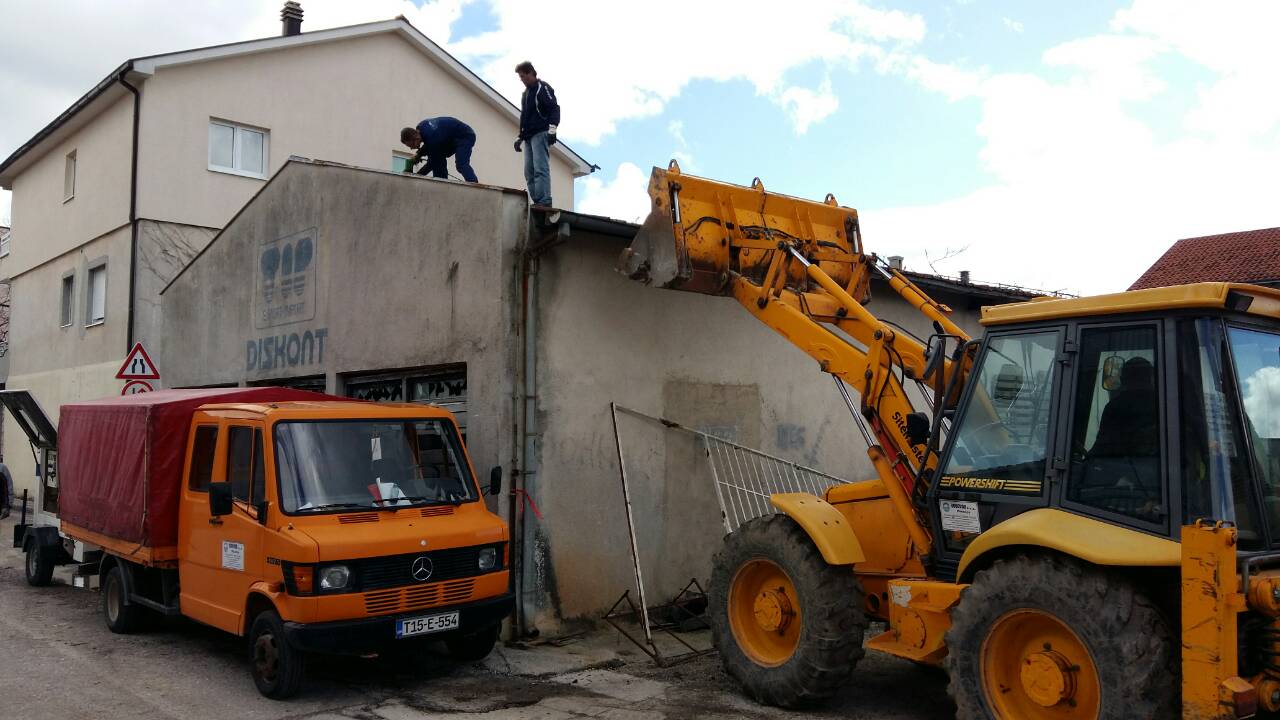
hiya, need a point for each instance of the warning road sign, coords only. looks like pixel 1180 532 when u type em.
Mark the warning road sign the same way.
pixel 138 366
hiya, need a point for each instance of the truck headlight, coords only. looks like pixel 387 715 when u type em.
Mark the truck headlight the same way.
pixel 488 558
pixel 334 577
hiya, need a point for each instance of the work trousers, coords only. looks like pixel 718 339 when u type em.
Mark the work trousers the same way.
pixel 438 167
pixel 537 169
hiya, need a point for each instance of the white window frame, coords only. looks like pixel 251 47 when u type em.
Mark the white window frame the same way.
pixel 89 319
pixel 67 302
pixel 236 146
pixel 69 177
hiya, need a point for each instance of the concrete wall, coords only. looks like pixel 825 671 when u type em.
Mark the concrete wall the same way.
pixel 44 225
pixel 700 361
pixel 402 272
pixel 342 101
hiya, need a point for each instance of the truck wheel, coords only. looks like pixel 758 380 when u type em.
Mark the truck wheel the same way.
pixel 788 625
pixel 472 647
pixel 278 667
pixel 1049 637
pixel 39 564
pixel 121 618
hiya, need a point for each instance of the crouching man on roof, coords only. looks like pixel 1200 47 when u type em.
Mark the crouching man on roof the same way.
pixel 539 116
pixel 436 139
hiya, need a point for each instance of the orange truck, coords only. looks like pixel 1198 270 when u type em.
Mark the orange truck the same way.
pixel 304 522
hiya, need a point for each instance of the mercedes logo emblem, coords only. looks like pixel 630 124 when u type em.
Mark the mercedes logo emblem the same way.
pixel 421 568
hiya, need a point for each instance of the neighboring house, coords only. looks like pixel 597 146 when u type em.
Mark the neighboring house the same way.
pixel 1252 256
pixel 528 333
pixel 121 190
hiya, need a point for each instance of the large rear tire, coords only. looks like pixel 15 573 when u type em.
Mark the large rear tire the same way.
pixel 1040 637
pixel 788 626
pixel 121 618
pixel 39 564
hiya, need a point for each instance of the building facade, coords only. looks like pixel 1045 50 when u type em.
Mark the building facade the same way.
pixel 526 330
pixel 119 192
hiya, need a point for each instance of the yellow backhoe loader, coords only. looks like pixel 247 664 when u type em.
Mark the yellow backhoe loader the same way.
pixel 1077 515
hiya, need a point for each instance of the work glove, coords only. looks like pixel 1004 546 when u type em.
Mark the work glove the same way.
pixel 518 141
pixel 551 135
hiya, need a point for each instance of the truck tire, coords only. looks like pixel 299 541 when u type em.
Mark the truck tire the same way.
pixel 472 647
pixel 39 564
pixel 1049 637
pixel 277 666
pixel 121 618
pixel 788 625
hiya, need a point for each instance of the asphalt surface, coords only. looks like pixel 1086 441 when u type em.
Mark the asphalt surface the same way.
pixel 59 661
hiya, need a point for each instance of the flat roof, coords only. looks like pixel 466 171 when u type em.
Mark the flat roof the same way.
pixel 1253 299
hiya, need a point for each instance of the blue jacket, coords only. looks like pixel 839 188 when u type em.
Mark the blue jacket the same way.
pixel 539 109
pixel 442 135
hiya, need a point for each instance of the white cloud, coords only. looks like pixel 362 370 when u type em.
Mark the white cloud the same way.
pixel 1012 24
pixel 644 62
pixel 676 128
pixel 806 107
pixel 623 198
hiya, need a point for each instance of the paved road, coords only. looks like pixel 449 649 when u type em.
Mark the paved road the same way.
pixel 59 662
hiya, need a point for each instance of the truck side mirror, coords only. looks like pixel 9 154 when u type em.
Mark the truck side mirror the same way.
pixel 219 499
pixel 917 428
pixel 495 480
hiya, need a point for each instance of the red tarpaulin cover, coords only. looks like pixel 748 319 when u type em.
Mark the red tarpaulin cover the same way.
pixel 121 459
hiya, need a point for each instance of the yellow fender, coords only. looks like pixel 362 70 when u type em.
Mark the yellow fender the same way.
pixel 828 529
pixel 1078 536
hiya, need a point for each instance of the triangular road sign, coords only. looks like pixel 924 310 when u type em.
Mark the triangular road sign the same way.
pixel 138 366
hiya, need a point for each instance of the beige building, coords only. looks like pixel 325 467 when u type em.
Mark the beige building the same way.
pixel 120 191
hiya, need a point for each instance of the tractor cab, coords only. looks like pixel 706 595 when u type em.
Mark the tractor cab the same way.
pixel 1147 410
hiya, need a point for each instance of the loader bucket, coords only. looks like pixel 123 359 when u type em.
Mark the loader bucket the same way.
pixel 698 229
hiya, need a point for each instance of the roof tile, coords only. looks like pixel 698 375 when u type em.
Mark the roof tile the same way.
pixel 1250 256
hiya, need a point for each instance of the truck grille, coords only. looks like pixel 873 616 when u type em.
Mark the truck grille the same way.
pixel 418 597
pixel 397 570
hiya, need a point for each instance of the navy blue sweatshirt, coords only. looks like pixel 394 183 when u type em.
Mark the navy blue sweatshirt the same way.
pixel 538 110
pixel 442 135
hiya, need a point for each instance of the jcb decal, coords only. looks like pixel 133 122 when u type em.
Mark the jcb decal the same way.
pixel 1028 487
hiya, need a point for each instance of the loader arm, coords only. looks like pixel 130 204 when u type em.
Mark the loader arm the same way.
pixel 799 267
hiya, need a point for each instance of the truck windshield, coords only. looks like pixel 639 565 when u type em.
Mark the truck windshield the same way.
pixel 1257 360
pixel 331 465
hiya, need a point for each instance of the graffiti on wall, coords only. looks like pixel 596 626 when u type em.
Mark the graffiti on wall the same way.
pixel 285 290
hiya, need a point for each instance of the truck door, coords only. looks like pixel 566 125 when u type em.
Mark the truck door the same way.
pixel 44 440
pixel 220 558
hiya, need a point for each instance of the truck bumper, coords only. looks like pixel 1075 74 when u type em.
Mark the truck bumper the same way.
pixel 368 635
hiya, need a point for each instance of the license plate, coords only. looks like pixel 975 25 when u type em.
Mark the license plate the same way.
pixel 426 624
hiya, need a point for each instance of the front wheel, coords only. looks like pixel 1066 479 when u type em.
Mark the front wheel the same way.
pixel 472 647
pixel 788 626
pixel 39 565
pixel 1044 637
pixel 278 667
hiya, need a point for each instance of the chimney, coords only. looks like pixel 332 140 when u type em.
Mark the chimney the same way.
pixel 291 19
pixel 895 262
pixel 964 276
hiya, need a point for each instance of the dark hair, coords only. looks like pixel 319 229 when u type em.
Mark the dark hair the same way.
pixel 407 134
pixel 526 67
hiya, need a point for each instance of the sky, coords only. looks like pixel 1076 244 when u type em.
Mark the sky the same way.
pixel 1057 146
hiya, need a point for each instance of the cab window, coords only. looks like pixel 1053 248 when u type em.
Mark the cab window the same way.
pixel 202 454
pixel 240 460
pixel 259 472
pixel 1257 363
pixel 1115 429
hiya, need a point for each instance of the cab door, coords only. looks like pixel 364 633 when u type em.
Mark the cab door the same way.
pixel 222 557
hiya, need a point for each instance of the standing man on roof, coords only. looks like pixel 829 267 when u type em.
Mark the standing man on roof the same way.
pixel 436 139
pixel 539 116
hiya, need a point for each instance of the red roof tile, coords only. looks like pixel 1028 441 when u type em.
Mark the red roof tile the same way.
pixel 1251 256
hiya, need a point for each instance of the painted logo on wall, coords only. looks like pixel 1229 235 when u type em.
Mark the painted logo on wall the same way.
pixel 285 291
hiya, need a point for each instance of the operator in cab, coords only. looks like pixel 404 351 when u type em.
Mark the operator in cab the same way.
pixel 435 140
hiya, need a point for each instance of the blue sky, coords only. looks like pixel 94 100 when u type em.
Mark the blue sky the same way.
pixel 1054 145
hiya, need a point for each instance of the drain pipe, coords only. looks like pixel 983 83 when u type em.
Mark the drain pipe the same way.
pixel 133 203
pixel 529 442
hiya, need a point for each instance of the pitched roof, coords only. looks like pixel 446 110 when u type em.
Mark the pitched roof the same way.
pixel 1248 257
pixel 135 70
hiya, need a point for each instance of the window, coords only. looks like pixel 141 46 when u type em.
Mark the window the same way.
pixel 1004 432
pixel 202 458
pixel 68 299
pixel 97 296
pixel 1115 433
pixel 259 471
pixel 69 177
pixel 401 162
pixel 1257 361
pixel 237 149
pixel 239 460
pixel 5 234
